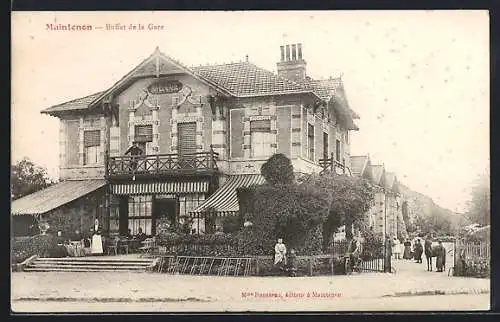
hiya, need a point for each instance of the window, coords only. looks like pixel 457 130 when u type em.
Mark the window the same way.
pixel 91 144
pixel 310 141
pixel 337 150
pixel 325 145
pixel 261 138
pixel 140 214
pixel 144 137
pixel 114 215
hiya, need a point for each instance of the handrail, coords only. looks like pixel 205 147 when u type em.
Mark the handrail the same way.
pixel 161 163
pixel 330 163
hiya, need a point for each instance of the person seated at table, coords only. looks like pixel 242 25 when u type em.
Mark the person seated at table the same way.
pixel 141 236
pixel 129 234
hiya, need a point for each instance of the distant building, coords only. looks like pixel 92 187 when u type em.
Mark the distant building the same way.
pixel 385 216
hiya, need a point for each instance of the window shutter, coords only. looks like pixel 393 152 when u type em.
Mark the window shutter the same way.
pixel 186 138
pixel 260 126
pixel 143 133
pixel 236 131
pixel 92 138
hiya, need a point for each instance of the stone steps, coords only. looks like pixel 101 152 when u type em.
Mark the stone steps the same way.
pixel 88 264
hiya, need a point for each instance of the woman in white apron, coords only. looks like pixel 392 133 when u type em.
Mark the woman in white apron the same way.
pixel 97 240
pixel 280 253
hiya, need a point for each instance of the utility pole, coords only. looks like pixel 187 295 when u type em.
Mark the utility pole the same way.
pixel 385 213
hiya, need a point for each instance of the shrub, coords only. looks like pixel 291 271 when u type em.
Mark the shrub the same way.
pixel 278 169
pixel 41 245
pixel 292 212
pixel 231 224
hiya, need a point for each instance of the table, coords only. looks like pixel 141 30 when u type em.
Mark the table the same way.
pixel 133 244
pixel 75 249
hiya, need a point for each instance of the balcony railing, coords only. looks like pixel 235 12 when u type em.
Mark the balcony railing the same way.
pixel 329 164
pixel 162 164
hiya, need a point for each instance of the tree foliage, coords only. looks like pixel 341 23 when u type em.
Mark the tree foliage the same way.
pixel 292 212
pixel 278 169
pixel 438 222
pixel 479 206
pixel 349 199
pixel 26 178
pixel 301 213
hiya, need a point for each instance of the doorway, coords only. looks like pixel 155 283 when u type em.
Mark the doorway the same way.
pixel 166 209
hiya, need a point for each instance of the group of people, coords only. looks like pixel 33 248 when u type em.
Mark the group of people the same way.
pixel 288 261
pixel 416 249
pixel 407 250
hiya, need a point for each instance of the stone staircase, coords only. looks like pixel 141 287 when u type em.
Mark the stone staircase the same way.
pixel 90 264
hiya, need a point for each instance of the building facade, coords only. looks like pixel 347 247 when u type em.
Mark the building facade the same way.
pixel 171 142
pixel 385 217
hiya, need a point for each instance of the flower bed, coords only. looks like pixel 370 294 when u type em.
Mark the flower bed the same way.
pixel 477 267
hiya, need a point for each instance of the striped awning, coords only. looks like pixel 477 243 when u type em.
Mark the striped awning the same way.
pixel 54 196
pixel 225 200
pixel 160 187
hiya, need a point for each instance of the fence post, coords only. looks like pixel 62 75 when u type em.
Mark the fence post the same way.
pixel 332 263
pixel 310 266
pixel 257 268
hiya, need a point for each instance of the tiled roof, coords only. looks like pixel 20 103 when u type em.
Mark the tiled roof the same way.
pixel 242 79
pixel 76 104
pixel 246 79
pixel 358 164
pixel 324 88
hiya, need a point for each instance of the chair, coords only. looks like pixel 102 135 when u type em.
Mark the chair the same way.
pixel 122 245
pixel 145 249
pixel 149 246
pixel 113 246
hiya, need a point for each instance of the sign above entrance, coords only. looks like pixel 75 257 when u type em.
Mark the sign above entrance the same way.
pixel 163 86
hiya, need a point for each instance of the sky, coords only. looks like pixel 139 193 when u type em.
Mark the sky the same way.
pixel 418 79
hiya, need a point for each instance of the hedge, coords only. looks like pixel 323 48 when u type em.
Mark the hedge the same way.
pixel 41 245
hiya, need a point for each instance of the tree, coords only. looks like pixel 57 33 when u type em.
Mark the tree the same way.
pixel 282 208
pixel 26 178
pixel 278 169
pixel 479 205
pixel 349 199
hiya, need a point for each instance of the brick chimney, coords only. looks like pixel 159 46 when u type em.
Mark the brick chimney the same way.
pixel 292 65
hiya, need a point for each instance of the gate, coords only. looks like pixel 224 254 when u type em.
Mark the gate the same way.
pixel 373 255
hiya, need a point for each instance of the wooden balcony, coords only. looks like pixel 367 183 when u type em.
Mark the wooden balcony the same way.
pixel 331 164
pixel 162 165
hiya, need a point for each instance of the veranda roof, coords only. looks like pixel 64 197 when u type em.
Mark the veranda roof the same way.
pixel 54 196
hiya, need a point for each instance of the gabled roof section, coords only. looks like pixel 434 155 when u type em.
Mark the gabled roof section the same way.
pixel 328 89
pixel 359 164
pixel 150 66
pixel 245 79
pixel 378 174
pixel 390 180
pixel 332 90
